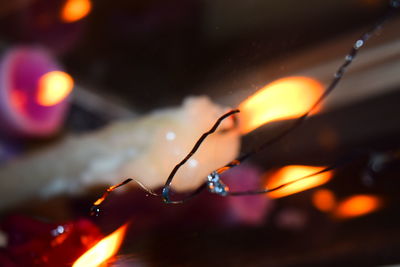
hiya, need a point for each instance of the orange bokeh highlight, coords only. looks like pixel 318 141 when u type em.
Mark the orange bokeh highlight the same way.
pixel 293 173
pixel 357 205
pixel 103 250
pixel 54 87
pixel 74 10
pixel 324 200
pixel 285 98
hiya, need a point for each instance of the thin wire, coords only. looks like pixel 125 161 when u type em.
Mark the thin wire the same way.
pixel 166 188
pixel 338 75
pixel 95 209
pixel 263 191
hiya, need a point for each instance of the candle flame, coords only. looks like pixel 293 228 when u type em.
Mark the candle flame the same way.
pixel 291 173
pixel 103 250
pixel 75 10
pixel 54 87
pixel 357 205
pixel 324 200
pixel 285 98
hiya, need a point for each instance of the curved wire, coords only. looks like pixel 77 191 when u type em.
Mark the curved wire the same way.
pixel 338 75
pixel 166 187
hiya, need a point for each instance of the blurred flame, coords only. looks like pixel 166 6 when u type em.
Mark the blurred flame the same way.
pixel 357 205
pixel 54 87
pixel 285 98
pixel 103 250
pixel 324 200
pixel 293 172
pixel 75 10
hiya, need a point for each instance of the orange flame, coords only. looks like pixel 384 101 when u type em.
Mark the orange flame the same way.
pixel 54 87
pixel 285 98
pixel 324 200
pixel 357 205
pixel 291 174
pixel 75 10
pixel 103 250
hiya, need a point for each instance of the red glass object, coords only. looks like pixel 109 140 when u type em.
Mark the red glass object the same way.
pixel 31 242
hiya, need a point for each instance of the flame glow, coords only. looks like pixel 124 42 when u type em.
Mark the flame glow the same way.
pixel 357 205
pixel 103 250
pixel 75 10
pixel 324 200
pixel 293 172
pixel 54 87
pixel 285 98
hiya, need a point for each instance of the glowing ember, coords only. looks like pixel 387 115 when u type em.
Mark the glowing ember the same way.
pixel 324 200
pixel 54 87
pixel 285 98
pixel 294 172
pixel 103 250
pixel 357 205
pixel 75 10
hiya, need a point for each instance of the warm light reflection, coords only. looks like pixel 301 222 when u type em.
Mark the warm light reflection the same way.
pixel 358 205
pixel 285 98
pixel 291 173
pixel 324 200
pixel 54 87
pixel 18 99
pixel 103 250
pixel 75 10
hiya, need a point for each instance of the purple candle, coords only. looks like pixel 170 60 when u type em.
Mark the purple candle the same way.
pixel 33 93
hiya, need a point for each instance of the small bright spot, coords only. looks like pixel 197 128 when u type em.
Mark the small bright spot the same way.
pixel 170 136
pixel 324 200
pixel 193 163
pixel 75 10
pixel 54 87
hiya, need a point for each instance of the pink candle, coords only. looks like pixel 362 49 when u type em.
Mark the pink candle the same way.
pixel 33 92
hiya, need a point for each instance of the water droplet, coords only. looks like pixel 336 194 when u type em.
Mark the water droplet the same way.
pixel 358 44
pixel 349 58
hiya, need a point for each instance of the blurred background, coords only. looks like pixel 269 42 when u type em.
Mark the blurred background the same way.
pixel 117 60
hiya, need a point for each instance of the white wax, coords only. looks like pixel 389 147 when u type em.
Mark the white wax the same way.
pixel 146 149
pixel 168 135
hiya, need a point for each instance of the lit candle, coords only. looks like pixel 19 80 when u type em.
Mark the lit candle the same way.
pixel 33 92
pixel 145 149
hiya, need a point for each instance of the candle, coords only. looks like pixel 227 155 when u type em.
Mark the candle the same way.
pixel 145 149
pixel 33 92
